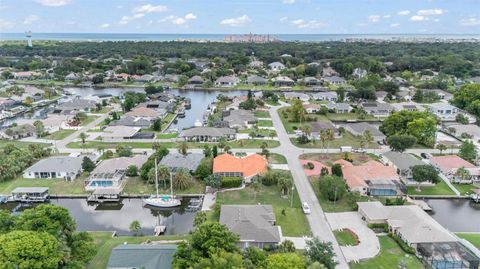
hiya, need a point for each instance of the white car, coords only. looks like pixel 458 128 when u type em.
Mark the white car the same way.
pixel 305 208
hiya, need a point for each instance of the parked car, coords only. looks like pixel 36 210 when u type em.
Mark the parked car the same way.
pixel 425 155
pixel 360 150
pixel 305 208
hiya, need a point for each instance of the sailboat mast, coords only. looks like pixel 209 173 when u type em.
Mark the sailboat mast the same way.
pixel 156 176
pixel 171 188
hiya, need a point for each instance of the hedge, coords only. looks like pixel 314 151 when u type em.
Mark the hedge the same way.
pixel 231 182
pixel 383 226
pixel 408 249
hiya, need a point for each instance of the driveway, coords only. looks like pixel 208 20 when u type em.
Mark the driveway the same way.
pixel 368 247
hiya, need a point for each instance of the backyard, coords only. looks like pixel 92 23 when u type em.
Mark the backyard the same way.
pixel 135 185
pixel 20 144
pixel 56 186
pixel 293 222
pixel 390 256
pixel 441 188
pixel 473 238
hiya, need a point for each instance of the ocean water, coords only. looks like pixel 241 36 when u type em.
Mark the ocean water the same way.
pixel 220 37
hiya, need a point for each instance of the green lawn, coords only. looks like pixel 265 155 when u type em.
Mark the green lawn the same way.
pixel 293 223
pixel 276 158
pixel 104 110
pixel 346 140
pixel 59 135
pixel 88 120
pixel 341 205
pixel 473 238
pixel 345 238
pixel 166 136
pixel 466 189
pixel 261 114
pixel 136 185
pixel 105 243
pixel 20 144
pixel 391 256
pixel 251 143
pixel 264 132
pixel 56 186
pixel 265 123
pixel 441 188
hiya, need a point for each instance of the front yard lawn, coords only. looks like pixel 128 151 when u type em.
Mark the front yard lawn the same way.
pixel 342 205
pixel 293 222
pixel 441 188
pixel 346 140
pixel 390 256
pixel 20 144
pixel 265 123
pixel 88 120
pixel 59 135
pixel 105 243
pixel 473 238
pixel 56 186
pixel 261 114
pixel 252 143
pixel 346 237
pixel 167 135
pixel 242 143
pixel 276 158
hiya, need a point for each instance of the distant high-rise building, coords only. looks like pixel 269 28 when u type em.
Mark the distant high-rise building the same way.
pixel 29 38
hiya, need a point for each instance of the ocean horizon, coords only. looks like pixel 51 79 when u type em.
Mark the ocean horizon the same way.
pixel 220 37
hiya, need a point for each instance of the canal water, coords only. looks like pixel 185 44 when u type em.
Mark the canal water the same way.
pixel 457 215
pixel 118 216
pixel 200 100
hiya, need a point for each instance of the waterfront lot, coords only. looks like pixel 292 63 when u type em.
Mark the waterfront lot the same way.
pixel 441 188
pixel 56 186
pixel 136 185
pixel 473 238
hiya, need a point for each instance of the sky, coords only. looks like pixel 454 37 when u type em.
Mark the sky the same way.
pixel 241 16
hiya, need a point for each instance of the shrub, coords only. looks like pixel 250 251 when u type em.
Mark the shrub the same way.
pixel 231 182
pixel 132 171
pixel 408 249
pixel 332 187
pixel 379 226
pixel 310 166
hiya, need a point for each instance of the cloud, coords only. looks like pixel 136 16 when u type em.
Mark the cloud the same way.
pixel 127 19
pixel 394 25
pixel 288 2
pixel 179 20
pixel 236 22
pixel 310 24
pixel 403 12
pixel 418 18
pixel 54 3
pixel 282 19
pixel 374 18
pixel 387 16
pixel 430 12
pixel 149 8
pixel 470 21
pixel 6 24
pixel 105 25
pixel 30 19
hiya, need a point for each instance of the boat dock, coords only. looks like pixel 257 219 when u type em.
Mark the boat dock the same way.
pixel 104 196
pixel 29 195
pixel 421 203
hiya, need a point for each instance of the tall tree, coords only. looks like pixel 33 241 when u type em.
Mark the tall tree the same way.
pixel 468 151
pixel 321 252
pixel 423 173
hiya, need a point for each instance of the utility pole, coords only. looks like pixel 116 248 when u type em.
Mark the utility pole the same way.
pixel 291 200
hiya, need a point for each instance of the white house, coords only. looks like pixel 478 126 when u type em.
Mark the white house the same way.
pixel 276 66
pixel 444 111
pixel 64 167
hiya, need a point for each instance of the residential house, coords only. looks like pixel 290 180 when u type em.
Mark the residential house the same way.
pixel 254 224
pixel 75 105
pixel 359 128
pixel 444 111
pixel 469 129
pixel 339 107
pixel 145 256
pixel 408 106
pixel 335 80
pixel 377 109
pixel 276 66
pixel 64 167
pixel 236 101
pixel 297 95
pixel 141 112
pixel 319 126
pixel 119 132
pixel 145 78
pixel 256 80
pixel 381 95
pixel 196 80
pixel 443 94
pixel 227 81
pixel 402 162
pixel 24 75
pixel 131 121
pixel 227 165
pixel 325 96
pixel 20 131
pixel 283 81
pixel 310 81
pixel 207 134
pixel 72 76
pixel 175 161
pixel 110 173
pixel 239 119
pixel 359 73
pixel 449 164
pixel 311 108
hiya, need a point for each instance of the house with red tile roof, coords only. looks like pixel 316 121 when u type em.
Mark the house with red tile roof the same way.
pixel 449 164
pixel 227 165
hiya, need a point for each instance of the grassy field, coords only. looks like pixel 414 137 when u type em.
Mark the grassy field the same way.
pixel 390 256
pixel 265 123
pixel 341 205
pixel 441 188
pixel 88 120
pixel 261 114
pixel 166 135
pixel 293 223
pixel 345 238
pixel 252 143
pixel 264 132
pixel 19 144
pixel 56 186
pixel 346 140
pixel 473 238
pixel 136 185
pixel 276 158
pixel 466 189
pixel 105 243
pixel 59 135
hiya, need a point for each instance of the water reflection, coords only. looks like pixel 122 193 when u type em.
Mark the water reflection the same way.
pixel 457 215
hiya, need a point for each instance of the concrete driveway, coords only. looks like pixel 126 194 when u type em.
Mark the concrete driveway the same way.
pixel 369 245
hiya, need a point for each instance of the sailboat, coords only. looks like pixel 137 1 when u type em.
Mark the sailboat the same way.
pixel 164 200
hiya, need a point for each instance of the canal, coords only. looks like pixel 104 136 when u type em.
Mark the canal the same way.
pixel 118 216
pixel 457 215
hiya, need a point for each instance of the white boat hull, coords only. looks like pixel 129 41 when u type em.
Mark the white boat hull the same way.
pixel 161 202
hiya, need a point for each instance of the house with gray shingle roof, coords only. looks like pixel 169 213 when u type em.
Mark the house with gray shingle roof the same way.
pixel 335 80
pixel 177 160
pixel 402 162
pixel 55 167
pixel 132 122
pixel 377 109
pixel 227 81
pixel 75 105
pixel 444 111
pixel 276 66
pixel 256 80
pixel 254 224
pixel 239 118
pixel 157 256
pixel 207 134
pixel 339 107
pixel 325 96
pixel 359 128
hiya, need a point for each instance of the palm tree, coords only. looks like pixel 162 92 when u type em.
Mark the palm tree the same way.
pixel 135 227
pixel 83 137
pixel 183 148
pixel 164 175
pixel 285 184
pixel 155 146
pixel 255 187
pixel 368 137
pixel 462 173
pixel 222 142
pixel 441 147
pixel 330 137
pixel 182 179
pixel 323 137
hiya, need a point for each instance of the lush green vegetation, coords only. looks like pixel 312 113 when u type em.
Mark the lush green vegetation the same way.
pixel 391 256
pixel 275 158
pixel 265 123
pixel 59 135
pixel 346 237
pixel 261 114
pixel 56 186
pixel 466 189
